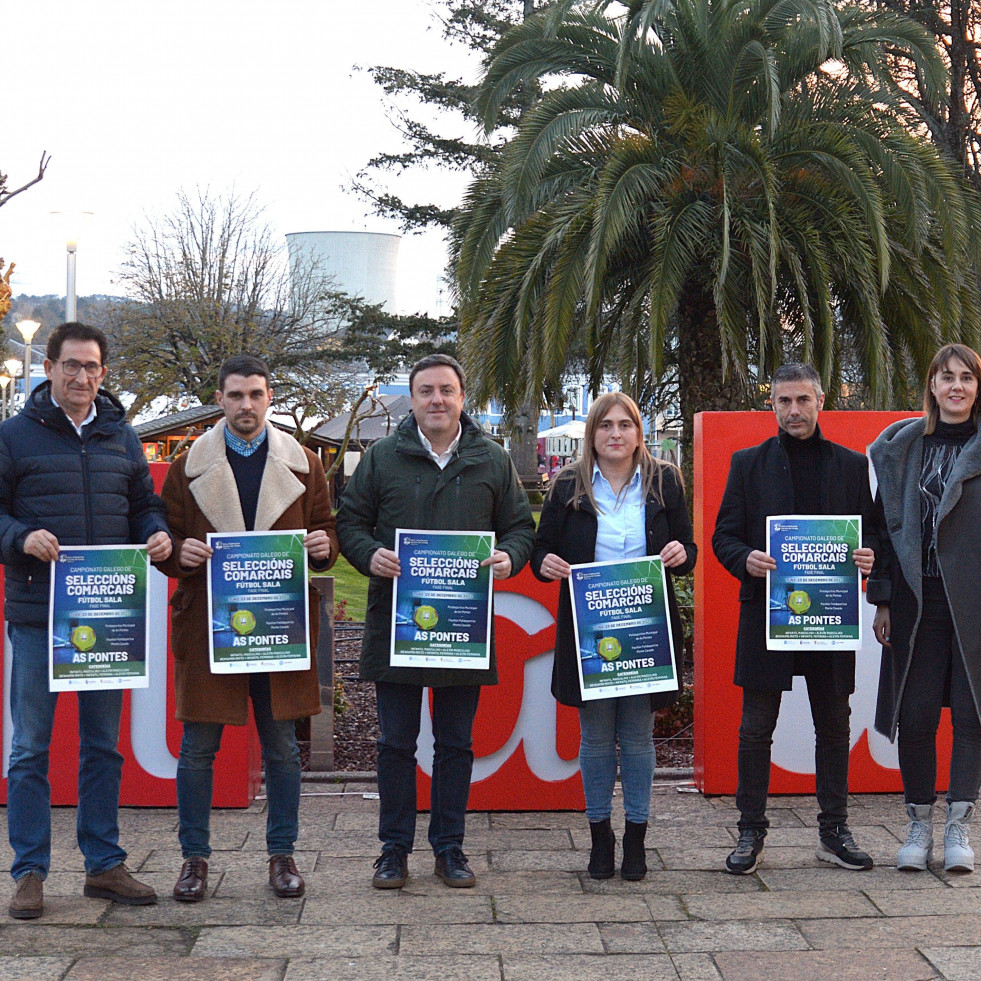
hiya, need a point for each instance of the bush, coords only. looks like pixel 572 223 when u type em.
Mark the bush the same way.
pixel 678 717
pixel 341 704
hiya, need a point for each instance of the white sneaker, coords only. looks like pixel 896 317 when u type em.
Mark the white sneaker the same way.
pixel 958 854
pixel 918 850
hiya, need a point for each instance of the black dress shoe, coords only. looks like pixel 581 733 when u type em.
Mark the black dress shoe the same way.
pixel 391 869
pixel 452 868
pixel 284 878
pixel 193 881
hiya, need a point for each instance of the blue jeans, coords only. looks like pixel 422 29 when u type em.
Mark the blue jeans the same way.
pixel 830 712
pixel 604 723
pixel 399 710
pixel 99 763
pixel 280 760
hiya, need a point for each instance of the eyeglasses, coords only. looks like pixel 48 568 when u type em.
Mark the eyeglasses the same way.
pixel 71 367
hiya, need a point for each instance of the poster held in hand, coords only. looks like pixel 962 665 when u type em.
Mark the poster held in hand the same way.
pixel 815 593
pixel 622 628
pixel 442 600
pixel 98 630
pixel 258 602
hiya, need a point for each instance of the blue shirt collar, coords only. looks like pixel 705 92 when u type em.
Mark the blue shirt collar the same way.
pixel 633 482
pixel 244 447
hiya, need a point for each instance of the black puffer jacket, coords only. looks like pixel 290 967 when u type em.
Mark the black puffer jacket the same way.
pixel 91 490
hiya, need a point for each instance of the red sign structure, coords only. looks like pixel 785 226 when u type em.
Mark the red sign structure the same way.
pixel 874 764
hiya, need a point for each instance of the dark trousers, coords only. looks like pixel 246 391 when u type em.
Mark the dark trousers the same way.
pixel 280 760
pixel 936 662
pixel 399 708
pixel 830 711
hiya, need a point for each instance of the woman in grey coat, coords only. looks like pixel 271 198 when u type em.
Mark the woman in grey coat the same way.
pixel 924 586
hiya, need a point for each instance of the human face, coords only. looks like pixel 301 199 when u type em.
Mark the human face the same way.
pixel 245 401
pixel 75 395
pixel 956 390
pixel 797 404
pixel 616 439
pixel 437 401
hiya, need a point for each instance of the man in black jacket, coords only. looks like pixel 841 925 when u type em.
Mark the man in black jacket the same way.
pixel 72 472
pixel 795 472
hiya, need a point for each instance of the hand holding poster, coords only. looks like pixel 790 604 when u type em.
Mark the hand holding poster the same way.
pixel 623 631
pixel 815 592
pixel 97 618
pixel 441 603
pixel 258 602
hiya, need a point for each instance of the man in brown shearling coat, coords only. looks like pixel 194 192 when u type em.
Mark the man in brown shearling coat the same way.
pixel 242 475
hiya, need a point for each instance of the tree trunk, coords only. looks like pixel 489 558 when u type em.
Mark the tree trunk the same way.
pixel 523 431
pixel 524 425
pixel 703 385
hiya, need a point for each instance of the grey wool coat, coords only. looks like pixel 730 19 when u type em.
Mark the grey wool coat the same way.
pixel 897 579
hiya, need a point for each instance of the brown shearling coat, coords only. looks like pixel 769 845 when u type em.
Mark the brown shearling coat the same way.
pixel 201 496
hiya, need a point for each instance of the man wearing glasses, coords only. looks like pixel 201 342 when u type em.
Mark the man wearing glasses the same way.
pixel 72 472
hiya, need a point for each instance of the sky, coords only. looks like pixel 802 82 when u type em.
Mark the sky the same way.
pixel 135 101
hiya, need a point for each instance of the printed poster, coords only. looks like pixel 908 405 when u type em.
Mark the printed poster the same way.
pixel 258 602
pixel 441 602
pixel 815 592
pixel 622 628
pixel 98 630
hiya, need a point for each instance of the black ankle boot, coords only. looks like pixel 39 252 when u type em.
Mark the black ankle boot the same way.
pixel 601 859
pixel 634 866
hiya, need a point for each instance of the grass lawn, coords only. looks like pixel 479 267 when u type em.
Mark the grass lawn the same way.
pixel 350 585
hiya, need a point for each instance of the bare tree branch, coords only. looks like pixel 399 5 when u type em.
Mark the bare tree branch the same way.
pixel 210 279
pixel 6 195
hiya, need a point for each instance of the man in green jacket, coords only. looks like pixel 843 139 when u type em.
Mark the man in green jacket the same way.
pixel 437 471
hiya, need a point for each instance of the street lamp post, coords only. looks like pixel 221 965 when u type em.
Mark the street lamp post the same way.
pixel 4 382
pixel 27 328
pixel 71 223
pixel 70 295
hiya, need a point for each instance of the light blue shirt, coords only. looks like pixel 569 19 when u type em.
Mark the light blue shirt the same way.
pixel 244 447
pixel 621 526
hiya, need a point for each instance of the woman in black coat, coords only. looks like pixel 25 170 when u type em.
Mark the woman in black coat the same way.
pixel 924 586
pixel 616 502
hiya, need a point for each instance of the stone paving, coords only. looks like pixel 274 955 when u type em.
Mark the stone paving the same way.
pixel 533 916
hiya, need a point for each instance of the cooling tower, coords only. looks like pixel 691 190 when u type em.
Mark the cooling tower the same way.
pixel 361 263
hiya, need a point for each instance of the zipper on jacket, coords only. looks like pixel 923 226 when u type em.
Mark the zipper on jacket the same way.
pixel 86 494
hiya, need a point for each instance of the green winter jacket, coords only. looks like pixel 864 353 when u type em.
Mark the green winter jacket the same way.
pixel 398 485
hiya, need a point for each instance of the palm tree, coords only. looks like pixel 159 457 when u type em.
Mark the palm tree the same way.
pixel 738 179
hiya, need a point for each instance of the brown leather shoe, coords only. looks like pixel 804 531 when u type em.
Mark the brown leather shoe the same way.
pixel 118 885
pixel 286 881
pixel 27 902
pixel 192 884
